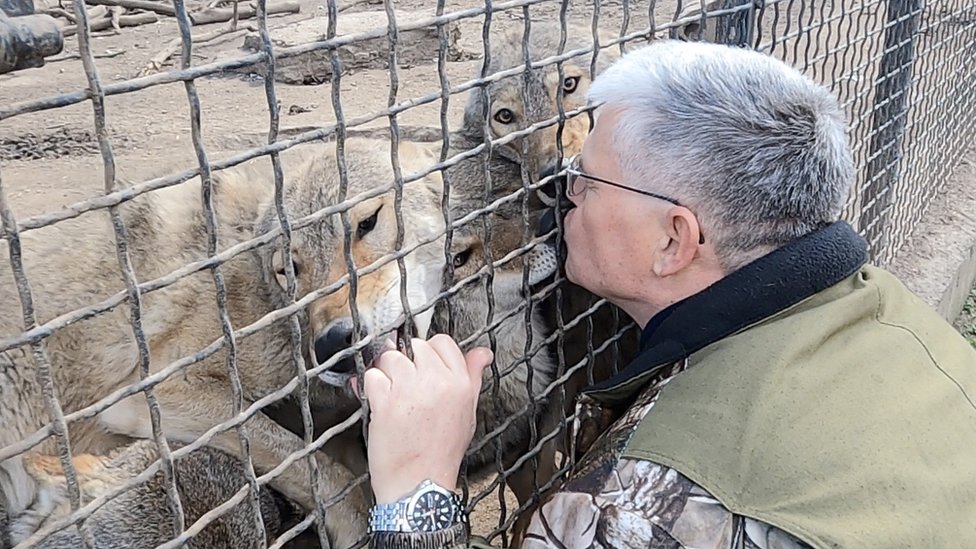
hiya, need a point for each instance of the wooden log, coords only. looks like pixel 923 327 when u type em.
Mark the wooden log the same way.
pixel 133 20
pixel 175 45
pixel 244 11
pixel 415 47
pixel 147 5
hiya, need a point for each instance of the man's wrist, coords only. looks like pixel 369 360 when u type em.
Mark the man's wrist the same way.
pixel 428 508
pixel 395 490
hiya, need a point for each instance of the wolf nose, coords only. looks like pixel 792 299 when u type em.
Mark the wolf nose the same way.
pixel 560 206
pixel 555 188
pixel 336 338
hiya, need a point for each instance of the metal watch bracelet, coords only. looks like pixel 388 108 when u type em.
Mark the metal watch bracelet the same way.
pixel 428 508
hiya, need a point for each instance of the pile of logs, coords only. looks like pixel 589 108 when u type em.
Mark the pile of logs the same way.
pixel 115 14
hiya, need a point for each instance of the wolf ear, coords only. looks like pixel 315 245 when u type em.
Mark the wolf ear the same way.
pixel 416 157
pixel 473 121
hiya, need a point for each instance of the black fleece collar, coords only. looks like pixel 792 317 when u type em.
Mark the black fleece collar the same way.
pixel 757 291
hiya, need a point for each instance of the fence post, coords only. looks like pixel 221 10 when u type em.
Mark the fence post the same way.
pixel 888 121
pixel 734 29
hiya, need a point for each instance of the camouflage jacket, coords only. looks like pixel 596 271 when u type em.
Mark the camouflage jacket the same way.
pixel 611 501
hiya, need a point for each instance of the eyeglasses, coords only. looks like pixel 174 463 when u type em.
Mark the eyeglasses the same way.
pixel 575 187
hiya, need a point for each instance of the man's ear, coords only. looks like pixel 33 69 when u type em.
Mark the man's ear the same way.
pixel 682 236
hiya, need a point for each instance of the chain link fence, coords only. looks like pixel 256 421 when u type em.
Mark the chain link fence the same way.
pixel 191 277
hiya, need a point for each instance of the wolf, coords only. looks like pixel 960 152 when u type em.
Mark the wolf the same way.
pixel 74 264
pixel 509 105
pixel 464 314
pixel 514 103
pixel 139 517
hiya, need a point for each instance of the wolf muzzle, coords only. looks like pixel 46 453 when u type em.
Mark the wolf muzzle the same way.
pixel 559 204
pixel 338 337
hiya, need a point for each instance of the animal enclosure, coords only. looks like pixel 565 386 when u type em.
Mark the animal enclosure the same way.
pixel 252 130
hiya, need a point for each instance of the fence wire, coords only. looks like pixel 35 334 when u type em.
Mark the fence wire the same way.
pixel 900 68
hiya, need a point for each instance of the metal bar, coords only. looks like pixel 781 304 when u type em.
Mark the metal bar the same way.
pixel 397 174
pixel 888 120
pixel 210 217
pixel 59 427
pixel 125 263
pixel 445 87
pixel 352 273
pixel 291 282
pixel 485 226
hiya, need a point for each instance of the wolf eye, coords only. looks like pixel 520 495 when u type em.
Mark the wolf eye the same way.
pixel 280 271
pixel 368 224
pixel 570 83
pixel 461 258
pixel 504 116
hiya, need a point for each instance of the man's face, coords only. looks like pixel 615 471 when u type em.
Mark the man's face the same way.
pixel 608 233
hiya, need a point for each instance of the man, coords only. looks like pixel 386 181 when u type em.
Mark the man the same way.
pixel 787 394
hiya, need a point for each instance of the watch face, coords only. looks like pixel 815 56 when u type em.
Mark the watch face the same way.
pixel 432 511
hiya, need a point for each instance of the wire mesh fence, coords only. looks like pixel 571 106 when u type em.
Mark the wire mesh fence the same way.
pixel 223 308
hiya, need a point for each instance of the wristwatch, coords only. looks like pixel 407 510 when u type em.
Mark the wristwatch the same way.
pixel 428 509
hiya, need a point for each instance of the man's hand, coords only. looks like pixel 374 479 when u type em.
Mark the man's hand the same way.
pixel 422 414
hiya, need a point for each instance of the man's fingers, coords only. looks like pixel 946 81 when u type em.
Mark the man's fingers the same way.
pixel 377 385
pixel 449 352
pixel 476 361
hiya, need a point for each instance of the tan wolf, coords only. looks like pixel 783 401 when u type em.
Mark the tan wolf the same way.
pixel 140 517
pixel 73 264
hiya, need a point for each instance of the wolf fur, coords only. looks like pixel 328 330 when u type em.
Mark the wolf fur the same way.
pixel 531 98
pixel 516 102
pixel 465 316
pixel 73 264
pixel 140 517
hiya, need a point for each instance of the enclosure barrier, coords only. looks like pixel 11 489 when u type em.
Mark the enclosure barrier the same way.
pixel 900 67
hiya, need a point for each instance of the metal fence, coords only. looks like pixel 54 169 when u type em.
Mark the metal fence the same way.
pixel 900 68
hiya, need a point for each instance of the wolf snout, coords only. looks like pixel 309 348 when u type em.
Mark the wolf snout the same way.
pixel 336 338
pixel 553 192
pixel 550 191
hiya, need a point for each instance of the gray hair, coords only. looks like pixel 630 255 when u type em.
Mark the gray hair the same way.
pixel 756 149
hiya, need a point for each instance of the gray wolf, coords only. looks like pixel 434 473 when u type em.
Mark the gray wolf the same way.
pixel 516 102
pixel 464 315
pixel 139 517
pixel 73 264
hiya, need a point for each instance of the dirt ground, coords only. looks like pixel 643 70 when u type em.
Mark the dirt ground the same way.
pixel 50 159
